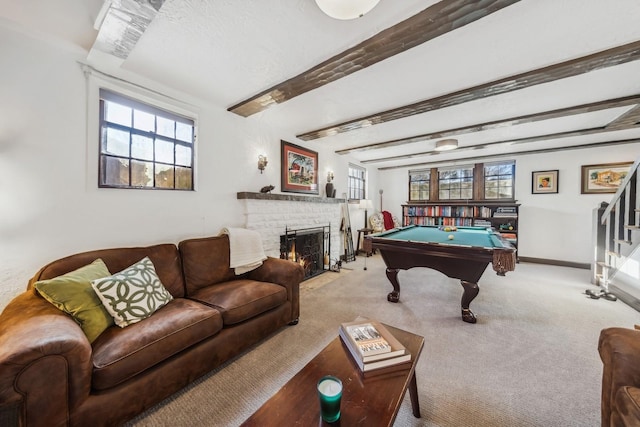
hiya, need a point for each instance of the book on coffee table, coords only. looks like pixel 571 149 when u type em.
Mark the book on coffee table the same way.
pixel 352 336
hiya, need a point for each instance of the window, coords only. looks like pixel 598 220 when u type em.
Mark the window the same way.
pixel 142 146
pixel 419 185
pixel 356 184
pixel 498 180
pixel 455 183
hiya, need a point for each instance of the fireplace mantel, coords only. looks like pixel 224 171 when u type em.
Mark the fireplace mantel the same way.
pixel 287 197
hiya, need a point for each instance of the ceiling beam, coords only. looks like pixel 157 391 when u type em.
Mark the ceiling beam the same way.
pixel 436 20
pixel 500 124
pixel 603 59
pixel 528 139
pixel 628 120
pixel 515 153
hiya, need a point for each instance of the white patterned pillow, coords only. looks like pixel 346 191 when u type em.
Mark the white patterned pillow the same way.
pixel 133 294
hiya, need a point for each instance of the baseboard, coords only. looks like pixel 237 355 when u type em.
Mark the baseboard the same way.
pixel 555 262
pixel 625 297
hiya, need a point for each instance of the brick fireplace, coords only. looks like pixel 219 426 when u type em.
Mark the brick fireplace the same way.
pixel 272 215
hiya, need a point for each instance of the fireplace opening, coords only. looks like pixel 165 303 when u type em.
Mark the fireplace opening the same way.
pixel 310 247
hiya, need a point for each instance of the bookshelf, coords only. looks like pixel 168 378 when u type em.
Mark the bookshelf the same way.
pixel 502 216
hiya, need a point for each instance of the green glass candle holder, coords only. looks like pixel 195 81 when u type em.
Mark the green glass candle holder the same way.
pixel 330 394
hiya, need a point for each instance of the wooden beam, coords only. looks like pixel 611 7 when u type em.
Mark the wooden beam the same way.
pixel 497 124
pixel 436 20
pixel 515 153
pixel 628 120
pixel 603 59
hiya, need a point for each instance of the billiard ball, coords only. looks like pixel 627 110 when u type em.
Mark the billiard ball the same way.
pixel 450 236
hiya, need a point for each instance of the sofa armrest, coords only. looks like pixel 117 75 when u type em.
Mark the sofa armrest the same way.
pixel 45 361
pixel 619 350
pixel 285 273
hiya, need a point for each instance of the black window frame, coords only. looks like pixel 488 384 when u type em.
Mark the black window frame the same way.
pixel 105 157
pixel 356 183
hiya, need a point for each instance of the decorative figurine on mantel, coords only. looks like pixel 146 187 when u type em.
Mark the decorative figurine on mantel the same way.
pixel 267 189
pixel 329 190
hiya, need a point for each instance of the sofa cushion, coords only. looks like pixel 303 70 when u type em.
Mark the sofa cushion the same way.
pixel 165 258
pixel 628 406
pixel 205 262
pixel 73 294
pixel 121 353
pixel 133 294
pixel 239 300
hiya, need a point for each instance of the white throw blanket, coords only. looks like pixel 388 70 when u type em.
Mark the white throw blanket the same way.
pixel 245 249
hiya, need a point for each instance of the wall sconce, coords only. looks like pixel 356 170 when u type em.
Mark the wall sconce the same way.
pixel 262 162
pixel 329 176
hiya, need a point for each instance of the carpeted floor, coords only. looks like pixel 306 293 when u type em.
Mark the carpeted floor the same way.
pixel 531 360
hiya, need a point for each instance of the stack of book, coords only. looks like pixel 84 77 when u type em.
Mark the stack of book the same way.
pixel 374 349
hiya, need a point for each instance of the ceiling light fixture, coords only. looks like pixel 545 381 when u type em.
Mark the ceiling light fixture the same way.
pixel 446 144
pixel 346 9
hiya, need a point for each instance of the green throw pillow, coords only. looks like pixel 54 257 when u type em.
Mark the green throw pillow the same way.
pixel 133 294
pixel 73 294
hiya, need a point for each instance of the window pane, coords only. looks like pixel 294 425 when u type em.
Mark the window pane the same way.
pixel 166 127
pixel 117 113
pixel 491 170
pixel 144 121
pixel 506 193
pixel 183 155
pixel 141 174
pixel 145 138
pixel 164 176
pixel 141 147
pixel 506 169
pixel 184 132
pixel 115 171
pixel 116 142
pixel 164 151
pixel 183 178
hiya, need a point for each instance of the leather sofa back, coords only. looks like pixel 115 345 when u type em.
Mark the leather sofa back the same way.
pixel 165 258
pixel 205 262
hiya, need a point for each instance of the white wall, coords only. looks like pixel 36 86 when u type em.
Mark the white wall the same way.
pixel 50 205
pixel 551 226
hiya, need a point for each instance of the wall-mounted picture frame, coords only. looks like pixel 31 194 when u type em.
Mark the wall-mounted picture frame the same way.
pixel 544 182
pixel 299 169
pixel 603 178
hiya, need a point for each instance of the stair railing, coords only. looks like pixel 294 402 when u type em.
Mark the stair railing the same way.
pixel 620 219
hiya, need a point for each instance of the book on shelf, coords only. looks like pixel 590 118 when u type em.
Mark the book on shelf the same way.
pixel 388 352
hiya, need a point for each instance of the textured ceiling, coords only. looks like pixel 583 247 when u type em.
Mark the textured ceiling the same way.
pixel 226 51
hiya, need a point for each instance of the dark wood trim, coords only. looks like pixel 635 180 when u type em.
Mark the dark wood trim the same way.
pixel 434 21
pixel 478 181
pixel 513 153
pixel 600 60
pixel 555 262
pixel 434 193
pixel 500 124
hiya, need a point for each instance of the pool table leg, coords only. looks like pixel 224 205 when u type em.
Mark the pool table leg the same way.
pixel 392 275
pixel 470 292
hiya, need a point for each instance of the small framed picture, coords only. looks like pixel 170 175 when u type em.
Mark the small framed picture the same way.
pixel 603 178
pixel 544 182
pixel 299 169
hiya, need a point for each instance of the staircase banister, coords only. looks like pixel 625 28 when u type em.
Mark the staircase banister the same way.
pixel 621 189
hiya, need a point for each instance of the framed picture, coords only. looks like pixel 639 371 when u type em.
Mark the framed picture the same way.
pixel 544 182
pixel 299 169
pixel 604 178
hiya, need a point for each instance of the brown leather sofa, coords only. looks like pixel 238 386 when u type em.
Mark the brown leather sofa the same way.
pixel 50 375
pixel 620 353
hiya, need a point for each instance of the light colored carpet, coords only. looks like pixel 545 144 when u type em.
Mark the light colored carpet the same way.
pixel 531 360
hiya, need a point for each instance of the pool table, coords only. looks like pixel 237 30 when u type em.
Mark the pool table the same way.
pixel 462 254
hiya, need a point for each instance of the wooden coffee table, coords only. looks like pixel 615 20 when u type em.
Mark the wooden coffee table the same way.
pixel 371 401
